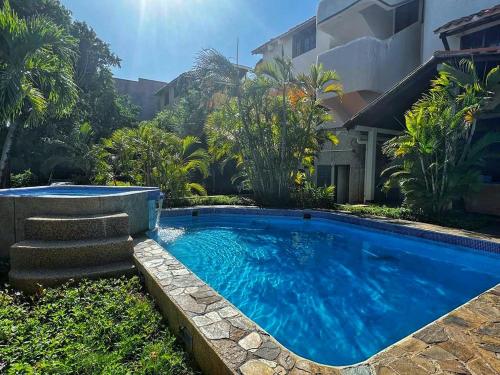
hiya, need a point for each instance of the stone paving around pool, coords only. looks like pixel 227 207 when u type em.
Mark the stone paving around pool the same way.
pixel 223 340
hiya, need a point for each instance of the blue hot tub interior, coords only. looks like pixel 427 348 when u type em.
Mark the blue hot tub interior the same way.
pixel 78 191
pixel 331 292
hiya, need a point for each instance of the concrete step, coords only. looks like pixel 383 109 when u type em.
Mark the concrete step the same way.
pixel 61 228
pixel 30 280
pixel 60 255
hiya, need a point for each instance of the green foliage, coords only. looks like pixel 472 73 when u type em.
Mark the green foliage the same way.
pixel 211 200
pixel 376 210
pixel 269 123
pixel 437 160
pixel 187 117
pixel 74 150
pixel 96 327
pixel 453 219
pixel 36 71
pixel 36 74
pixel 97 102
pixel 151 156
pixel 308 195
pixel 23 179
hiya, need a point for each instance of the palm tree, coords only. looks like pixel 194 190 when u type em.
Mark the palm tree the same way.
pixel 270 121
pixel 177 165
pixel 73 148
pixel 36 73
pixel 151 156
pixel 437 159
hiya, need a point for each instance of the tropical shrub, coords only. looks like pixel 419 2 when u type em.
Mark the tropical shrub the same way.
pixel 269 123
pixel 96 327
pixel 307 195
pixel 73 149
pixel 150 156
pixel 210 200
pixel 23 179
pixel 438 158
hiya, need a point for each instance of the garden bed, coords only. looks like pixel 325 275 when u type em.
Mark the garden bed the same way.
pixel 454 219
pixel 105 326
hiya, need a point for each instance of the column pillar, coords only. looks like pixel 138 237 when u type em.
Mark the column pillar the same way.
pixel 370 165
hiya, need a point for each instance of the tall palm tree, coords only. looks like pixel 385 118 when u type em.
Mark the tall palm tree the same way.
pixel 36 73
pixel 270 122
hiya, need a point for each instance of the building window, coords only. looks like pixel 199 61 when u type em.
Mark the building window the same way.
pixel 304 41
pixel 406 15
pixel 324 175
pixel 489 37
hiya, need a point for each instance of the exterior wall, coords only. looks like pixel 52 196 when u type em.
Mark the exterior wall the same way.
pixel 363 19
pixel 439 12
pixel 486 201
pixel 303 62
pixel 329 8
pixel 347 152
pixel 166 98
pixel 141 93
pixel 372 64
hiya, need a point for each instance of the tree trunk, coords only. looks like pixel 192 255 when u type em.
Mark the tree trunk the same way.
pixel 7 146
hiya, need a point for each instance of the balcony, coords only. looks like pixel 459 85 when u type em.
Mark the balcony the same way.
pixel 330 8
pixel 369 64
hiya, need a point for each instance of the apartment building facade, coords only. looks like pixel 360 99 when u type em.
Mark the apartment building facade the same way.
pixel 142 94
pixel 373 45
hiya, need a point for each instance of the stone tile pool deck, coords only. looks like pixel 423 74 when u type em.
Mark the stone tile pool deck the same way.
pixel 223 340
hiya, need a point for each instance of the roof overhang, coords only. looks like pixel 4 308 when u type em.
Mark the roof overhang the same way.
pixel 474 20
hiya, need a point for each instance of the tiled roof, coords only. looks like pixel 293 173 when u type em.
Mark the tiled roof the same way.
pixel 481 16
pixel 294 29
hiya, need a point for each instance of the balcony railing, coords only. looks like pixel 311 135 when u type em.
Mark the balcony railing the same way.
pixel 371 64
pixel 330 8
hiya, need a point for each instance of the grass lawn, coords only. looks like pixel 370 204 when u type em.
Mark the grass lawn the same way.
pixel 95 327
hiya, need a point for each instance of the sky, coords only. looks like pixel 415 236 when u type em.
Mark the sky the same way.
pixel 159 39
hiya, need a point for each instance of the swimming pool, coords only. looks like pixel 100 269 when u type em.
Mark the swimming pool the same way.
pixel 331 292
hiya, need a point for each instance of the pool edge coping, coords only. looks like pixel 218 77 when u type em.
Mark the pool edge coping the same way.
pixel 157 266
pixel 135 190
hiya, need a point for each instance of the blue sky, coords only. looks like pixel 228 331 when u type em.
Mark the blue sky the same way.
pixel 158 39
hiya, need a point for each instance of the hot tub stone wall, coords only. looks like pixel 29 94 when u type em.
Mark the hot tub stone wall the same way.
pixel 223 340
pixel 15 210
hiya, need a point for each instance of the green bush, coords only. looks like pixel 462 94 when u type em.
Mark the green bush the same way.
pixel 23 179
pixel 453 219
pixel 310 196
pixel 96 327
pixel 210 200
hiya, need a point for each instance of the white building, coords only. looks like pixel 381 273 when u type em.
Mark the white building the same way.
pixel 373 45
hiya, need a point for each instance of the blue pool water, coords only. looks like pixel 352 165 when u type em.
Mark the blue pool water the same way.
pixel 75 190
pixel 331 292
